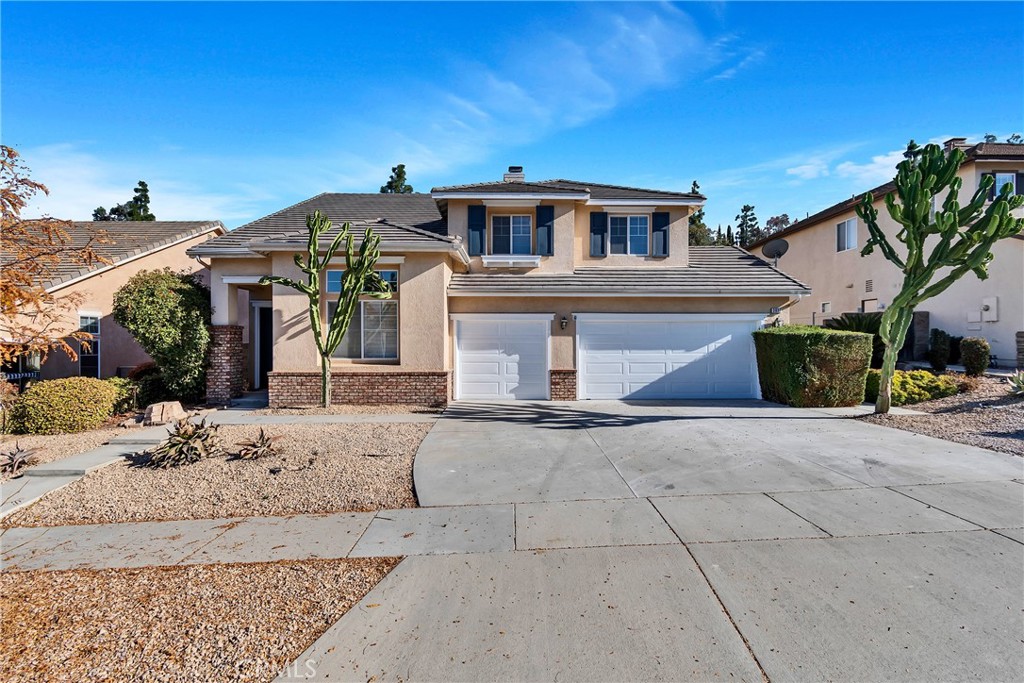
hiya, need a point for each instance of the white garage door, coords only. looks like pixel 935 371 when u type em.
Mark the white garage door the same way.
pixel 666 356
pixel 502 358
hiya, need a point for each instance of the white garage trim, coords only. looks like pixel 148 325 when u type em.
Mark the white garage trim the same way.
pixel 623 379
pixel 545 319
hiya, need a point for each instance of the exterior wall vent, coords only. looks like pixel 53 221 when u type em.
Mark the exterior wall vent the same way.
pixel 869 285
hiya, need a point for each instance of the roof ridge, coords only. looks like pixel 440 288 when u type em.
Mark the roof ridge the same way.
pixel 619 187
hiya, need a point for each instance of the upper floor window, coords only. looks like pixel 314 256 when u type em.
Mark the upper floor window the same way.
pixel 629 235
pixel 1015 179
pixel 89 359
pixel 511 235
pixel 846 235
pixel 1004 178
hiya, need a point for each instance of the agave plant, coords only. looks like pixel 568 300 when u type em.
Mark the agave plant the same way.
pixel 261 446
pixel 1017 383
pixel 11 464
pixel 187 443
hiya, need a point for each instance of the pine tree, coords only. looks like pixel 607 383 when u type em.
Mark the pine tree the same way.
pixel 135 209
pixel 396 183
pixel 730 239
pixel 699 233
pixel 747 229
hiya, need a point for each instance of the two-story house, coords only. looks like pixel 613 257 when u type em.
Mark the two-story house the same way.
pixel 503 290
pixel 824 252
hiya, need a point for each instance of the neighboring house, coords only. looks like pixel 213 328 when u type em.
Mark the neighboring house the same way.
pixel 824 252
pixel 503 290
pixel 129 247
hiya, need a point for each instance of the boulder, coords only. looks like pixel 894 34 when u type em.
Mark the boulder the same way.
pixel 164 413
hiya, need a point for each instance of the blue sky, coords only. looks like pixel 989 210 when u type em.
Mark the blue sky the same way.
pixel 232 111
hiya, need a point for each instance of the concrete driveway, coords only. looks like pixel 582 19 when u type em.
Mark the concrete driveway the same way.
pixel 726 541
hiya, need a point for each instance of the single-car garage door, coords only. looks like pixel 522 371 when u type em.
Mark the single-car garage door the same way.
pixel 501 357
pixel 645 356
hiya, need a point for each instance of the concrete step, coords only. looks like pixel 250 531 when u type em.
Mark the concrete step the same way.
pixel 83 463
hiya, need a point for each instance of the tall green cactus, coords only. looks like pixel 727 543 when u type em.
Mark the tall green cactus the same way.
pixel 360 278
pixel 953 237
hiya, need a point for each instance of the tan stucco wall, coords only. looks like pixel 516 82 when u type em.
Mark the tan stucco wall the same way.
pixel 572 237
pixel 840 278
pixel 563 346
pixel 422 319
pixel 117 347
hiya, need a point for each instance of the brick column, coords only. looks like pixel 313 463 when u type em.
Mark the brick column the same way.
pixel 1020 350
pixel 225 375
pixel 563 385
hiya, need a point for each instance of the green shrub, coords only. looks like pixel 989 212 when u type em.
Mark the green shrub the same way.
pixel 811 366
pixel 913 386
pixel 169 315
pixel 64 406
pixel 150 382
pixel 127 394
pixel 954 350
pixel 869 323
pixel 974 353
pixel 1016 383
pixel 938 349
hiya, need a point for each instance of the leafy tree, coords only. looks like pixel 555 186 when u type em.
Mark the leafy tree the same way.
pixel 699 232
pixel 135 209
pixel 775 224
pixel 730 239
pixel 396 183
pixel 169 315
pixel 959 238
pixel 359 278
pixel 990 138
pixel 747 229
pixel 33 320
pixel 1015 139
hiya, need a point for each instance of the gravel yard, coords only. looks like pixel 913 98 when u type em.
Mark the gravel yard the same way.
pixel 987 417
pixel 50 447
pixel 320 468
pixel 242 622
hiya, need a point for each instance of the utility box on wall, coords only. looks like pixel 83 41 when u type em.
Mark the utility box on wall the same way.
pixel 990 309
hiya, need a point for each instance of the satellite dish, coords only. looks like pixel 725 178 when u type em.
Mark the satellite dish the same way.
pixel 775 249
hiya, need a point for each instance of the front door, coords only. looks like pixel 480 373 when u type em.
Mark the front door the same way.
pixel 265 345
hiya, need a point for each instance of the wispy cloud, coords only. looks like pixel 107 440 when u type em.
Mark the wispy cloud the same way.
pixel 879 169
pixel 750 59
pixel 813 168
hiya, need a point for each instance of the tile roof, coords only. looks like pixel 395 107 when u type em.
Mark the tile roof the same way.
pixel 123 240
pixel 389 231
pixel 415 211
pixel 712 270
pixel 563 186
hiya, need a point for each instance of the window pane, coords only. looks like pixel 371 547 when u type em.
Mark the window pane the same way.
pixel 349 346
pixel 391 277
pixel 1002 179
pixel 380 329
pixel 851 234
pixel 89 323
pixel 638 235
pixel 334 281
pixel 89 362
pixel 501 235
pixel 618 230
pixel 522 242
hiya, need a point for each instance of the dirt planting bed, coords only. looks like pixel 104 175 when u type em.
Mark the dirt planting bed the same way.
pixel 320 468
pixel 243 622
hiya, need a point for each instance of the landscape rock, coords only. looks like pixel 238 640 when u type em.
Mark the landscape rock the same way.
pixel 164 413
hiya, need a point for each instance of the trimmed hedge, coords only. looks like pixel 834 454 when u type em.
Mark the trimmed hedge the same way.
pixel 974 352
pixel 913 386
pixel 807 367
pixel 64 406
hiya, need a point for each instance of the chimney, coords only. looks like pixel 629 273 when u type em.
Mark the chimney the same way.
pixel 515 175
pixel 954 143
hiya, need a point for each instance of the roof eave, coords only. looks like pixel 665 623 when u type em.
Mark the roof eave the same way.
pixel 511 195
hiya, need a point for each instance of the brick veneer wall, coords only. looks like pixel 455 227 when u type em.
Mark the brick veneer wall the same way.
pixel 563 385
pixel 1020 350
pixel 417 388
pixel 226 374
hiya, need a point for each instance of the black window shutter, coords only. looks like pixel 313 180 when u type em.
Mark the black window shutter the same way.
pixel 659 233
pixel 598 233
pixel 545 230
pixel 1020 183
pixel 477 229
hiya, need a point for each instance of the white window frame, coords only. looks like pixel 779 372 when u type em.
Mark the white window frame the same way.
pixel 511 233
pixel 847 227
pixel 361 313
pixel 998 185
pixel 97 348
pixel 629 249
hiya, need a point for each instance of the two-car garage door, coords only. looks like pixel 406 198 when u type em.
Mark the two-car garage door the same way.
pixel 638 356
pixel 665 356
